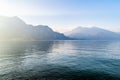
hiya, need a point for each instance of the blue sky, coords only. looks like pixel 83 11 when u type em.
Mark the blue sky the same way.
pixel 63 15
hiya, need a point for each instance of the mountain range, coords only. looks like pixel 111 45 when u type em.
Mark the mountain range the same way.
pixel 13 28
pixel 93 33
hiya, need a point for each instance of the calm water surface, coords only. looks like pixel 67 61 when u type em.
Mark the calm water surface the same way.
pixel 60 60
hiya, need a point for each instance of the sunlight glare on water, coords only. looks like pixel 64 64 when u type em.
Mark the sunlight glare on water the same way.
pixel 63 60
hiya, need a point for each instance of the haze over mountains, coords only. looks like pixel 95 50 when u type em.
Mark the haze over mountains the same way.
pixel 13 28
pixel 93 33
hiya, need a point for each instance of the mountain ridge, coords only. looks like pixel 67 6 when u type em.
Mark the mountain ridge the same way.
pixel 93 33
pixel 13 28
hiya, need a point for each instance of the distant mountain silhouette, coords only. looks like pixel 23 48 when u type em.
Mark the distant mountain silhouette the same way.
pixel 13 28
pixel 93 33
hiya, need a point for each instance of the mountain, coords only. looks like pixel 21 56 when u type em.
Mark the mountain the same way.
pixel 13 28
pixel 93 33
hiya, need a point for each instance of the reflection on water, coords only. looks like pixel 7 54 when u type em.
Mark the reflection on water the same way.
pixel 60 60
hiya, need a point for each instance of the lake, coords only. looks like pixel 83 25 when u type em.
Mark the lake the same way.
pixel 60 60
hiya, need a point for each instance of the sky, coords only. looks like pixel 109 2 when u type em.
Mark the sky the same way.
pixel 64 15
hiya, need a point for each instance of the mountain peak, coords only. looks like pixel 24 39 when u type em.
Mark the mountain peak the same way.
pixel 11 20
pixel 18 20
pixel 13 28
pixel 44 27
pixel 92 33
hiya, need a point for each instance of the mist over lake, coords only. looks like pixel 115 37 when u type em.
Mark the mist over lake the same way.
pixel 59 39
pixel 60 60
